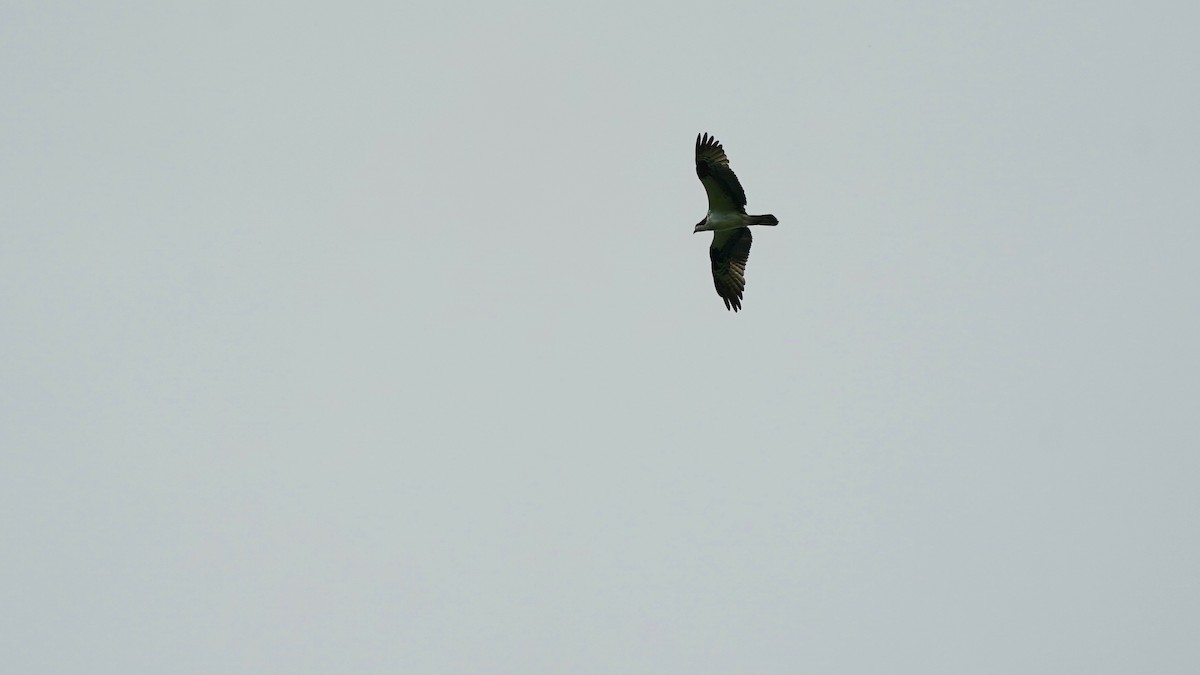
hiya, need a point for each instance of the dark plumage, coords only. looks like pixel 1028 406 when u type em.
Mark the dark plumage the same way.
pixel 711 163
pixel 729 252
pixel 727 220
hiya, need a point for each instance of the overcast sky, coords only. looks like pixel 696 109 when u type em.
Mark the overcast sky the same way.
pixel 374 338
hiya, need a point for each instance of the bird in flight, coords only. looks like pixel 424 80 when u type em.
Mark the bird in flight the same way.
pixel 727 220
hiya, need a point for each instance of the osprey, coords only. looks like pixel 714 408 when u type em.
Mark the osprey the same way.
pixel 727 220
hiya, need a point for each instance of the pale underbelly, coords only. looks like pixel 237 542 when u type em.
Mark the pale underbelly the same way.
pixel 725 221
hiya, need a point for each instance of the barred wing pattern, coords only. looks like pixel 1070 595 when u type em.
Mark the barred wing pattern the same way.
pixel 729 253
pixel 725 192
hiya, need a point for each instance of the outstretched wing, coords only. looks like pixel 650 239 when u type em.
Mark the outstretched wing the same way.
pixel 729 252
pixel 725 193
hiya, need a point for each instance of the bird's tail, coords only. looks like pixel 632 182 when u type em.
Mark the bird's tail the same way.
pixel 763 220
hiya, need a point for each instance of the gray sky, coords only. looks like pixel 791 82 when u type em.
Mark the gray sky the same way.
pixel 376 339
